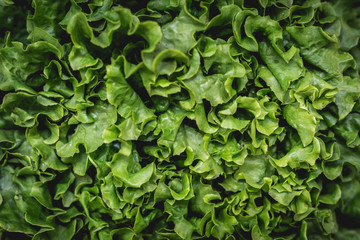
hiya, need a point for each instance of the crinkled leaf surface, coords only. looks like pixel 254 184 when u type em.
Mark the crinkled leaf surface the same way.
pixel 179 119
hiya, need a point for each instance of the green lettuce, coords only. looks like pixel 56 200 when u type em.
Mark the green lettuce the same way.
pixel 179 119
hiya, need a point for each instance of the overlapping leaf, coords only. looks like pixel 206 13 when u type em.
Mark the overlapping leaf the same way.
pixel 179 119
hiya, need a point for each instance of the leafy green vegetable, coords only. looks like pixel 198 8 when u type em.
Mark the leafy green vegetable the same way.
pixel 179 119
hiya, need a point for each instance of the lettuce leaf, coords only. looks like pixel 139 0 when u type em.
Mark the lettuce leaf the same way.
pixel 174 119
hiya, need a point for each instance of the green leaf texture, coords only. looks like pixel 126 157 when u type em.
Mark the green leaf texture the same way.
pixel 179 119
